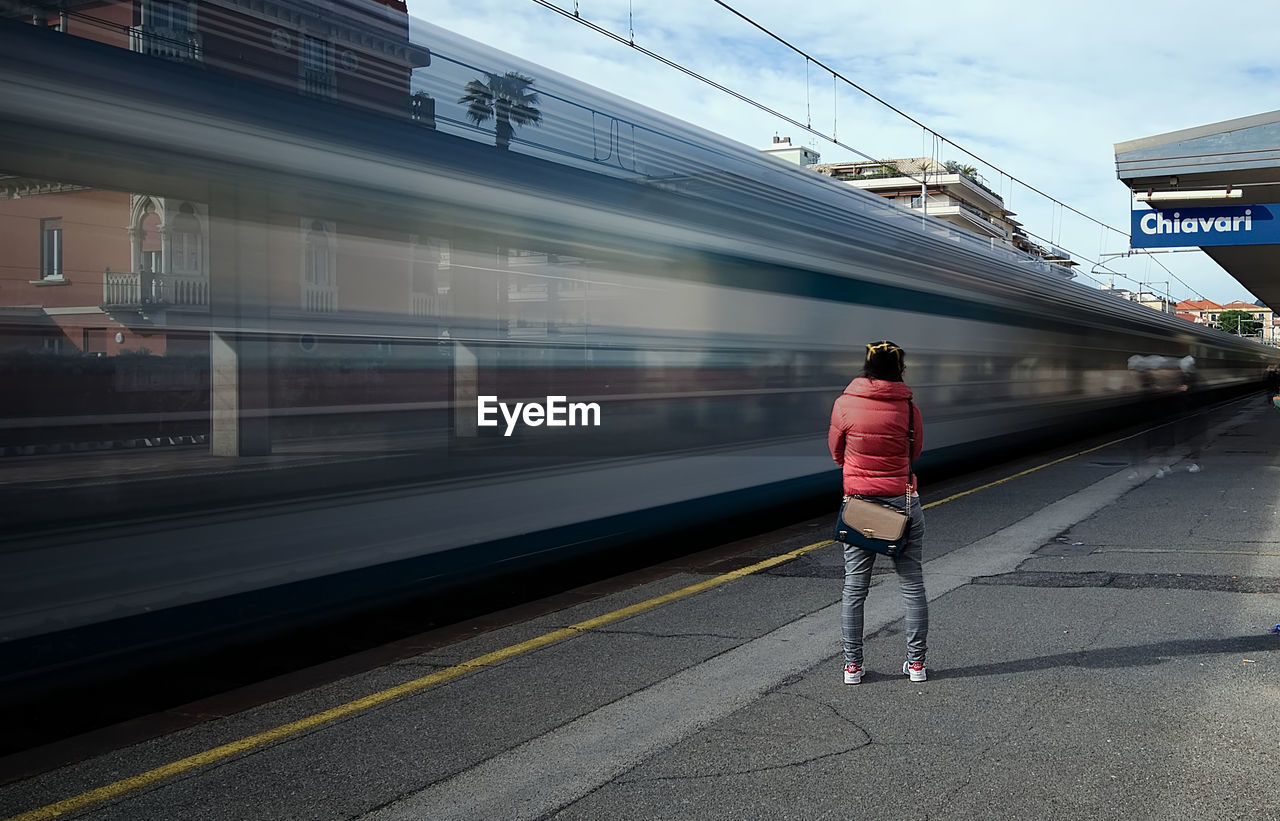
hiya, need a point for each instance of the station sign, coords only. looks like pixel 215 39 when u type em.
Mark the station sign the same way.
pixel 1200 227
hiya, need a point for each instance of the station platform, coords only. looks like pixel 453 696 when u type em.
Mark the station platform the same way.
pixel 1100 647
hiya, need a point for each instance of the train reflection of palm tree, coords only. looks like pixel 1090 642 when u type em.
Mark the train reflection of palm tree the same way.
pixel 507 98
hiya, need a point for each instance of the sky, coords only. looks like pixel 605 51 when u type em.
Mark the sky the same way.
pixel 1034 94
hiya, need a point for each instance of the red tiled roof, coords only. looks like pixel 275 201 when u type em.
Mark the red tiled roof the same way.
pixel 1198 305
pixel 1241 306
pixel 1190 317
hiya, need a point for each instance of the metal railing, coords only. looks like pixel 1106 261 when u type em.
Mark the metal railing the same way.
pixel 320 299
pixel 181 45
pixel 138 288
pixel 436 305
pixel 321 83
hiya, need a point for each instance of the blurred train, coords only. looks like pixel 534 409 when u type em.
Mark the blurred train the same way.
pixel 325 294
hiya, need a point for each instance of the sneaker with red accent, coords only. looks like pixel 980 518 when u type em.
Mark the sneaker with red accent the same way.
pixel 852 674
pixel 915 669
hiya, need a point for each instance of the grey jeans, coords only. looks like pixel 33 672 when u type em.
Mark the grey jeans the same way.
pixel 857 581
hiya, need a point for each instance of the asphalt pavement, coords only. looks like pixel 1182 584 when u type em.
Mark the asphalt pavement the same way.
pixel 1100 647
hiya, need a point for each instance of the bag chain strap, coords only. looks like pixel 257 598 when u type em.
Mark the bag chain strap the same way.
pixel 911 449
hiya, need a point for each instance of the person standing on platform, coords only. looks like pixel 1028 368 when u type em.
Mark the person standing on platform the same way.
pixel 868 438
pixel 1193 425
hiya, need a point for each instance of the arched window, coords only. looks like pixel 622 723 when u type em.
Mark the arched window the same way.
pixel 152 245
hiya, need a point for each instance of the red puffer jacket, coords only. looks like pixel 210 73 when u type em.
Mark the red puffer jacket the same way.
pixel 868 436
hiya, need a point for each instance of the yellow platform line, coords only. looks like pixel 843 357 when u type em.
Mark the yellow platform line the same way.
pixel 217 754
pixel 263 739
pixel 1030 471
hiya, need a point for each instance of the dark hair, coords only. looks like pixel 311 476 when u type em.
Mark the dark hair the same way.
pixel 885 360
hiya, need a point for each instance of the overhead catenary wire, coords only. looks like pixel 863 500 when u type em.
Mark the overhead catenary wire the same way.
pixel 704 79
pixel 832 138
pixel 1176 277
pixel 940 137
pixel 808 127
pixel 908 117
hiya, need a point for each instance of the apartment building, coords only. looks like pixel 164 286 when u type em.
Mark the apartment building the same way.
pixel 951 192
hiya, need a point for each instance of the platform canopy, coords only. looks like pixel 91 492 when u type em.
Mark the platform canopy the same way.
pixel 1231 163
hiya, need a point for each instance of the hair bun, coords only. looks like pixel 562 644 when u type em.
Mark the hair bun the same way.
pixel 885 360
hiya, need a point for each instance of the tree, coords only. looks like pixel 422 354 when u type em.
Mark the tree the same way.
pixel 882 170
pixel 956 168
pixel 1240 323
pixel 507 99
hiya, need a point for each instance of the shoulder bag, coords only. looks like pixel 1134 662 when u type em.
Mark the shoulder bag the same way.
pixel 876 526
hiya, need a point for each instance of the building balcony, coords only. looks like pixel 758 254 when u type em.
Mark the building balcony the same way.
pixel 954 185
pixel 322 83
pixel 143 289
pixel 432 305
pixel 319 299
pixel 180 45
pixel 965 216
